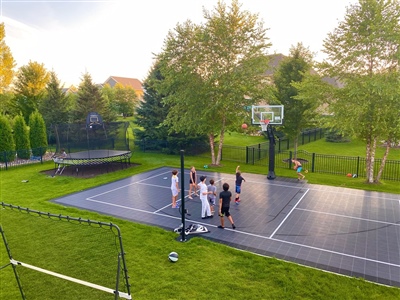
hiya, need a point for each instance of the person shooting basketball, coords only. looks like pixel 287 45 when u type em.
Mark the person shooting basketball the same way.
pixel 298 167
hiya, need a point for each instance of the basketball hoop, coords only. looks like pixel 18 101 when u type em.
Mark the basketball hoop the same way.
pixel 264 124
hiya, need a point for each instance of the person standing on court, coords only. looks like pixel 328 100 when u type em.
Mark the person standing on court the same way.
pixel 212 195
pixel 298 167
pixel 225 198
pixel 205 205
pixel 238 185
pixel 175 188
pixel 192 182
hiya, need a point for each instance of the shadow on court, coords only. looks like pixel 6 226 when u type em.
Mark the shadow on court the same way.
pixel 350 232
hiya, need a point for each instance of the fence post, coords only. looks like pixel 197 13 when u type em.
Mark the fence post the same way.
pixel 5 159
pixel 253 154
pixel 290 159
pixel 313 162
pixel 358 164
pixel 247 154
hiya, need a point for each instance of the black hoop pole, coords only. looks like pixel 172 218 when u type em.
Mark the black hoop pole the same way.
pixel 183 235
pixel 271 167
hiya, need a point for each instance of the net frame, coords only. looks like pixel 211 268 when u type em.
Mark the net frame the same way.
pixel 121 262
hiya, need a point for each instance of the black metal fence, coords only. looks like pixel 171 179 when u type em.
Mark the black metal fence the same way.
pixel 313 162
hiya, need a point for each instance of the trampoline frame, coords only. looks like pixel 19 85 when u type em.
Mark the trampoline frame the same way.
pixel 91 158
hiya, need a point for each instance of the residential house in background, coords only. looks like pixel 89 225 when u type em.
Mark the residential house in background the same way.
pixel 132 82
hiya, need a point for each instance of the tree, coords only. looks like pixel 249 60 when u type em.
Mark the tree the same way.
pixel 299 112
pixel 30 88
pixel 37 134
pixel 364 54
pixel 150 116
pixel 212 71
pixel 21 137
pixel 89 99
pixel 7 144
pixel 55 105
pixel 151 113
pixel 121 99
pixel 7 63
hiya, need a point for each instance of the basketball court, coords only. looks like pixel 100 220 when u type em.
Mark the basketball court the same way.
pixel 346 231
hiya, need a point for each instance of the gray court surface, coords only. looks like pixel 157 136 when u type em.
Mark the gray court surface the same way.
pixel 346 231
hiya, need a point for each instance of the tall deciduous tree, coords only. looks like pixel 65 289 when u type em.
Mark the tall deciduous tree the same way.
pixel 89 99
pixel 213 71
pixel 299 112
pixel 30 88
pixel 364 54
pixel 7 63
pixel 121 99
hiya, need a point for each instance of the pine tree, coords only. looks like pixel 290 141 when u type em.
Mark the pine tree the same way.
pixel 54 107
pixel 89 100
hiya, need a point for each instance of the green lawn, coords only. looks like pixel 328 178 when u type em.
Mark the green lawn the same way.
pixel 205 270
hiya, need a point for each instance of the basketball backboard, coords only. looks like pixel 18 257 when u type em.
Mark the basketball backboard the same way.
pixel 273 113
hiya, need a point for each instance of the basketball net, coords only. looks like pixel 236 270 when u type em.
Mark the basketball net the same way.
pixel 264 125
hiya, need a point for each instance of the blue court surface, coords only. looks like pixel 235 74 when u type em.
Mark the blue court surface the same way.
pixel 345 231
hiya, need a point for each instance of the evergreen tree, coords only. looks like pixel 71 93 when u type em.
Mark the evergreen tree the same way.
pixel 298 113
pixel 37 134
pixel 55 105
pixel 89 100
pixel 152 112
pixel 21 137
pixel 150 116
pixel 7 145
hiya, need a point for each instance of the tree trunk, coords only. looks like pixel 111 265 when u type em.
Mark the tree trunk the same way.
pixel 211 138
pixel 368 159
pixel 382 166
pixel 221 142
pixel 370 175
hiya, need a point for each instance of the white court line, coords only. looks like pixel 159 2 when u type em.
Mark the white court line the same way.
pixel 349 217
pixel 283 221
pixel 254 235
pixel 124 186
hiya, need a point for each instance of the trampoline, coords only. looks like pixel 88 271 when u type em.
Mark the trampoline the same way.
pixel 90 158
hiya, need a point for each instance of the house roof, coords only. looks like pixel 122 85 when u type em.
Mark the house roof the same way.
pixel 133 82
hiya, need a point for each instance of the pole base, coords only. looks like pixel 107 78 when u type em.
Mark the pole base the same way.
pixel 271 175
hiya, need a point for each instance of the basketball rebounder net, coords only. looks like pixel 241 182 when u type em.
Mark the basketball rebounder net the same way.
pixel 93 262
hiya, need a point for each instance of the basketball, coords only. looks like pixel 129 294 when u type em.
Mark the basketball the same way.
pixel 173 257
pixel 244 126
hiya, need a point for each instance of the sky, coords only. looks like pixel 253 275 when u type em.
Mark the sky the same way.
pixel 121 37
